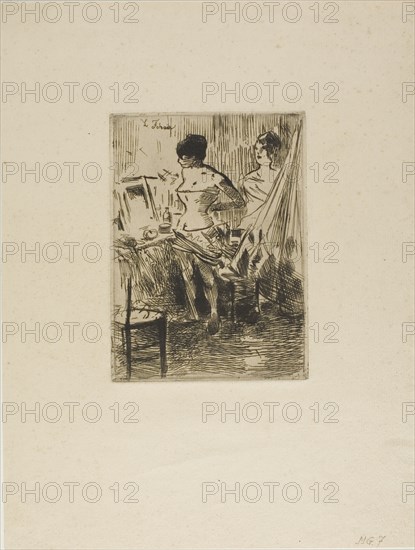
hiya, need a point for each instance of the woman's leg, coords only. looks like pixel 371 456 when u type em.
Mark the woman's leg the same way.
pixel 210 289
pixel 185 261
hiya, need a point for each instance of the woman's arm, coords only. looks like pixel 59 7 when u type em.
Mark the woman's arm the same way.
pixel 225 185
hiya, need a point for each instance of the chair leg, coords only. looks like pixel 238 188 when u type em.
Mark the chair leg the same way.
pixel 233 316
pixel 257 302
pixel 163 346
pixel 127 332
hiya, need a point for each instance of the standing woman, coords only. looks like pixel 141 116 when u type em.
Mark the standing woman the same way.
pixel 198 240
pixel 272 242
pixel 256 185
pixel 255 188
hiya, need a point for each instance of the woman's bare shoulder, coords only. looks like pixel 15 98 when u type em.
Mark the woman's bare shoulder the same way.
pixel 210 170
pixel 251 178
pixel 214 175
pixel 252 174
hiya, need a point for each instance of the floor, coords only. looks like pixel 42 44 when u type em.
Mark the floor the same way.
pixel 267 346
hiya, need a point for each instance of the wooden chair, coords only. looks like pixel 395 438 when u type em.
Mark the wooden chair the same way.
pixel 139 319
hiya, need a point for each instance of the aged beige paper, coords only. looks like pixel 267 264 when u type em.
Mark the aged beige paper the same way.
pixel 311 444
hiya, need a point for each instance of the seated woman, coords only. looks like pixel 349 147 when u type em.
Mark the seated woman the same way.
pixel 198 241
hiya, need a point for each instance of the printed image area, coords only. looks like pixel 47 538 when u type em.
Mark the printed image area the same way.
pixel 208 238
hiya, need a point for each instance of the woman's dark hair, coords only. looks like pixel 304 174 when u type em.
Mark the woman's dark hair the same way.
pixel 271 142
pixel 192 146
